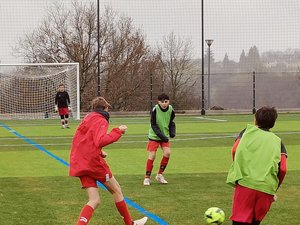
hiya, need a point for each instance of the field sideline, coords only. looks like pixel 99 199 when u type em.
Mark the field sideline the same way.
pixel 35 188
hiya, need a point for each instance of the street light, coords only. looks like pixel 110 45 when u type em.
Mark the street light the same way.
pixel 209 43
pixel 202 60
pixel 98 49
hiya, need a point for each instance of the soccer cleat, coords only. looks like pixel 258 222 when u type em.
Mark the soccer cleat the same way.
pixel 160 178
pixel 63 127
pixel 147 181
pixel 140 221
pixel 67 126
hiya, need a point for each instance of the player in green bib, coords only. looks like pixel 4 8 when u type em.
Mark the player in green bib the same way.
pixel 162 128
pixel 258 169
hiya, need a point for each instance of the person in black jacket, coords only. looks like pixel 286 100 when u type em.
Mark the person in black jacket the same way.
pixel 62 105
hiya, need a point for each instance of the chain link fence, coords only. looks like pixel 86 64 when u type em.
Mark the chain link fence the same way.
pixel 130 51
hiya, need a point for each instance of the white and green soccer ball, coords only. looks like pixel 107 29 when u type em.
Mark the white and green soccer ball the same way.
pixel 214 215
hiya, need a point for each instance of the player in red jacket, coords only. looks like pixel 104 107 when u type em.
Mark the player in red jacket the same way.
pixel 87 161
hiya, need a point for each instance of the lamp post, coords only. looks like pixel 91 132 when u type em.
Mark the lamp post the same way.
pixel 253 91
pixel 151 91
pixel 209 43
pixel 98 49
pixel 202 60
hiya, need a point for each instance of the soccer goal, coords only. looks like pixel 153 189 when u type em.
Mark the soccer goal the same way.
pixel 27 91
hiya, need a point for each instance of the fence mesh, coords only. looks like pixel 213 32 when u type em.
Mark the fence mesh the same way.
pixel 260 36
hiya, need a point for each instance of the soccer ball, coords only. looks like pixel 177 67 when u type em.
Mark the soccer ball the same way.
pixel 214 215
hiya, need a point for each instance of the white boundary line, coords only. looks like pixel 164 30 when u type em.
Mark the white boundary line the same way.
pixel 205 118
pixel 127 136
pixel 144 141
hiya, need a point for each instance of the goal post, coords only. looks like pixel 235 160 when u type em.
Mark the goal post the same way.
pixel 27 91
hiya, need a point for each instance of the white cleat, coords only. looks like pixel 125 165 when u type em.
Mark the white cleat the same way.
pixel 140 221
pixel 147 182
pixel 160 178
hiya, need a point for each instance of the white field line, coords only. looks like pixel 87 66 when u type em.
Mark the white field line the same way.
pixel 130 142
pixel 37 138
pixel 121 142
pixel 143 135
pixel 115 121
pixel 126 135
pixel 205 118
pixel 124 142
pixel 75 125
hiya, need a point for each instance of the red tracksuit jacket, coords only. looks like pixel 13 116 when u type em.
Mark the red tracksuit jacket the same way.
pixel 89 139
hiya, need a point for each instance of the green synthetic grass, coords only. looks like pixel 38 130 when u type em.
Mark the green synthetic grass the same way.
pixel 35 188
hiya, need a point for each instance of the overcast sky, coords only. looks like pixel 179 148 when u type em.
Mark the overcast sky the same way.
pixel 234 25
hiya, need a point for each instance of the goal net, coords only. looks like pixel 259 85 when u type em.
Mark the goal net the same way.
pixel 27 91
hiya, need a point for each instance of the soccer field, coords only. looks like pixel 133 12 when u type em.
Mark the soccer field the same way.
pixel 35 188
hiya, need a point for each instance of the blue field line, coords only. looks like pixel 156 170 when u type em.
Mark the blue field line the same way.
pixel 128 201
pixel 139 208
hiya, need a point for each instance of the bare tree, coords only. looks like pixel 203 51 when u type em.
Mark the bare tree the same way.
pixel 65 35
pixel 127 65
pixel 177 67
pixel 70 35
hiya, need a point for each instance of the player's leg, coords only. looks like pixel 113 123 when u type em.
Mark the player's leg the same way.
pixel 151 148
pixel 94 197
pixel 67 121
pixel 165 159
pixel 262 206
pixel 114 188
pixel 89 184
pixel 164 162
pixel 243 206
pixel 62 121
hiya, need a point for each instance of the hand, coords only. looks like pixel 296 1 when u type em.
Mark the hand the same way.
pixel 275 198
pixel 69 108
pixel 56 108
pixel 123 128
pixel 103 154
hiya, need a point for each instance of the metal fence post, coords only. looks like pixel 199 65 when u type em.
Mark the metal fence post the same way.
pixel 253 91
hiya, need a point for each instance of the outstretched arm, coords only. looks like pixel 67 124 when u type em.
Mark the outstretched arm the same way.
pixel 101 137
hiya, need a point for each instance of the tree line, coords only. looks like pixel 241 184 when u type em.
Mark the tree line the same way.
pixel 130 70
pixel 128 66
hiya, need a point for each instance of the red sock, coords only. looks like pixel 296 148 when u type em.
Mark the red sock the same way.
pixel 163 164
pixel 85 215
pixel 149 167
pixel 123 210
